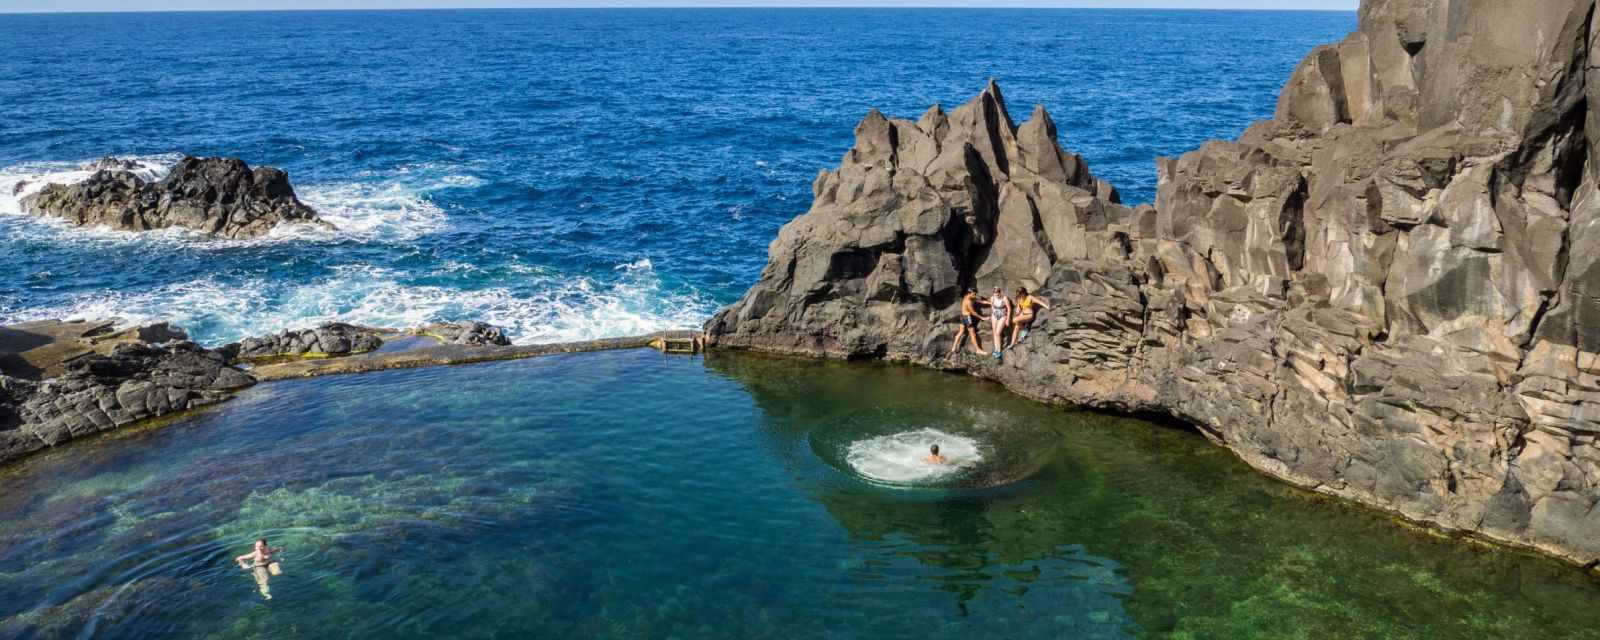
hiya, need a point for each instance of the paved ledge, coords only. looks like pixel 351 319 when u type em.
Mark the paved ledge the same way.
pixel 452 354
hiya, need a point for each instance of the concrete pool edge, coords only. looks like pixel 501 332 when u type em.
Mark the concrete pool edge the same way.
pixel 450 354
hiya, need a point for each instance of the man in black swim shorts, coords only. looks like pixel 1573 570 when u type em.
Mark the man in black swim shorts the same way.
pixel 968 328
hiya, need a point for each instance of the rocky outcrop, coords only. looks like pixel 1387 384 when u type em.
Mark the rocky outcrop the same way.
pixel 916 213
pixel 1384 293
pixel 332 339
pixel 217 196
pixel 104 384
pixel 465 333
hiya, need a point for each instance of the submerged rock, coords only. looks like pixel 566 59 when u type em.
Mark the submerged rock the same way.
pixel 106 380
pixel 329 340
pixel 1384 293
pixel 468 333
pixel 217 196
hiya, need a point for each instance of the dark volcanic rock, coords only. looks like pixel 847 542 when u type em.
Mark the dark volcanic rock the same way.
pixel 474 334
pixel 1385 293
pixel 331 339
pixel 916 212
pixel 102 391
pixel 218 196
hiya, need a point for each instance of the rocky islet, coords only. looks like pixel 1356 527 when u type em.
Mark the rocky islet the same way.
pixel 221 197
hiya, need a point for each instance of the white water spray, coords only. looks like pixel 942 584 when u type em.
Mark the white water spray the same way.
pixel 901 458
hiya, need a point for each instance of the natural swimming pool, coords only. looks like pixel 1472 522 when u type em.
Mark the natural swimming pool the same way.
pixel 626 494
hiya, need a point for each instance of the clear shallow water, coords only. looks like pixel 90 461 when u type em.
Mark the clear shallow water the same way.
pixel 623 494
pixel 566 174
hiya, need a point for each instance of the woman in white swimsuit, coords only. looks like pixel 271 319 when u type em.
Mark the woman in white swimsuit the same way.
pixel 999 317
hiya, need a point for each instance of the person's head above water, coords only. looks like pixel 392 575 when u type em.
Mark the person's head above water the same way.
pixel 934 449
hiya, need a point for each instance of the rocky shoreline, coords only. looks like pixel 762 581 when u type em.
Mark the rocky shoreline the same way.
pixel 1383 294
pixel 61 381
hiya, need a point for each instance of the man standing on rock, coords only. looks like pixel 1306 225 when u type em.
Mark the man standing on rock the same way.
pixel 969 324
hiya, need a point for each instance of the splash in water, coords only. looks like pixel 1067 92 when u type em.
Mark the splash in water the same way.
pixel 901 458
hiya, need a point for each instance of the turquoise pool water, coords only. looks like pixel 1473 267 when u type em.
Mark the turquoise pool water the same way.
pixel 629 495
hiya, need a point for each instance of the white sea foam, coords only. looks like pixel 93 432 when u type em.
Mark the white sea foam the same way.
pixel 901 458
pixel 371 212
pixel 556 310
pixel 33 176
pixel 385 208
pixel 538 304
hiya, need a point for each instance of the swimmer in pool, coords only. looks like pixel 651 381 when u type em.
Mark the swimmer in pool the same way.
pixel 934 457
pixel 261 563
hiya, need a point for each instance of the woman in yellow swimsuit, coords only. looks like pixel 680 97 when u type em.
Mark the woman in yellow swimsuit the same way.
pixel 1026 303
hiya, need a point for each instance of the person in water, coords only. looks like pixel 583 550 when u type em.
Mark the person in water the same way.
pixel 260 562
pixel 934 457
pixel 999 316
pixel 969 323
pixel 1027 303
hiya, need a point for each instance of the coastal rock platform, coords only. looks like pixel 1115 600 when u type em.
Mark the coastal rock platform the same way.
pixel 65 380
pixel 60 381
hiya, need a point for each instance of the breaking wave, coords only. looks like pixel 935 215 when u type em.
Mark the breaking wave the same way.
pixel 539 309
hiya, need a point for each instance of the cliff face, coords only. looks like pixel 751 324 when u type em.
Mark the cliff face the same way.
pixel 1388 292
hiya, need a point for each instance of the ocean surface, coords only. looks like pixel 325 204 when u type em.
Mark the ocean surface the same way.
pixel 630 495
pixel 566 174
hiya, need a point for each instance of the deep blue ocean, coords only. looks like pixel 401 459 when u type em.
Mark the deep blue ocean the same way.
pixel 565 173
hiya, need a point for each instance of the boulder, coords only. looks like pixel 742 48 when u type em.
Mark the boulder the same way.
pixel 217 196
pixel 1385 293
pixel 331 339
pixel 468 333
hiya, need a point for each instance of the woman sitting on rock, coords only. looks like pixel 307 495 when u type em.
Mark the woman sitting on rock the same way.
pixel 1026 303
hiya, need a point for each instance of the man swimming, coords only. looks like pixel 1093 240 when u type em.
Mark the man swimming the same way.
pixel 969 323
pixel 260 563
pixel 934 457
